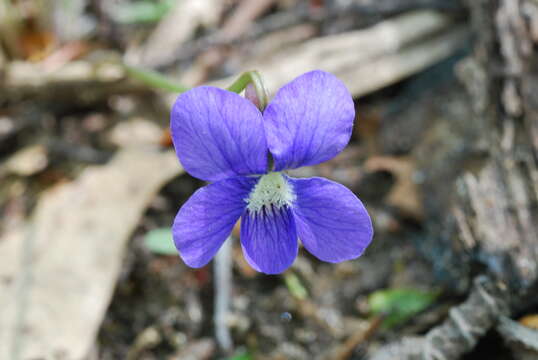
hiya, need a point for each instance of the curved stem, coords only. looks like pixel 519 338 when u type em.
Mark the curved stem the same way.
pixel 154 79
pixel 254 78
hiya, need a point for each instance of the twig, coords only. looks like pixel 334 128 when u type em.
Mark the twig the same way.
pixel 458 334
pixel 243 17
pixel 513 331
pixel 80 81
pixel 302 13
pixel 369 59
pixel 346 349
pixel 223 288
pixel 179 25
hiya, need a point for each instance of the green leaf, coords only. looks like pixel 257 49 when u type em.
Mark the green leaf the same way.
pixel 142 11
pixel 241 356
pixel 398 305
pixel 294 286
pixel 160 241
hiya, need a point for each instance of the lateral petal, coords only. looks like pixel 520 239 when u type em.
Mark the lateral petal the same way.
pixel 331 221
pixel 205 221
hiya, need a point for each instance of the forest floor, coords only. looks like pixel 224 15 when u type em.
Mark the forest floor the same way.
pixel 78 132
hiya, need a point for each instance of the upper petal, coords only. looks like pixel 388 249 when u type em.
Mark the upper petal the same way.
pixel 207 218
pixel 218 134
pixel 309 121
pixel 269 240
pixel 331 221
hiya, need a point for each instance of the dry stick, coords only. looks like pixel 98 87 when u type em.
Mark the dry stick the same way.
pixel 236 24
pixel 359 337
pixel 366 60
pixel 302 13
pixel 460 332
pixel 80 81
pixel 178 26
pixel 371 58
pixel 242 18
pixel 223 290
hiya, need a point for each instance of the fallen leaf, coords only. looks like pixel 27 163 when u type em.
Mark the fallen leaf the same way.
pixel 530 321
pixel 241 355
pixel 178 26
pixel 404 194
pixel 142 11
pixel 135 132
pixel 57 274
pixel 160 241
pixel 201 349
pixel 36 44
pixel 27 161
pixel 295 286
pixel 398 305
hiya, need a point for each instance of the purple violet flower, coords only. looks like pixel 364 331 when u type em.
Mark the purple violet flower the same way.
pixel 223 138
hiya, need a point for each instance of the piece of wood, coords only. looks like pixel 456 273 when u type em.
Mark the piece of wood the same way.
pixel 57 275
pixel 368 59
pixel 82 82
pixel 499 216
pixel 459 333
pixel 492 215
pixel 179 25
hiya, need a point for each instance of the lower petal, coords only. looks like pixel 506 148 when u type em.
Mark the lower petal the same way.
pixel 205 221
pixel 269 239
pixel 331 221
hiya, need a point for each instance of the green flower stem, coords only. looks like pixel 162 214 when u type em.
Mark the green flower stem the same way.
pixel 254 78
pixel 160 81
pixel 154 79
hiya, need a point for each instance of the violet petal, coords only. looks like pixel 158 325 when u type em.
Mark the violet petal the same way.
pixel 269 240
pixel 309 121
pixel 208 217
pixel 331 221
pixel 218 134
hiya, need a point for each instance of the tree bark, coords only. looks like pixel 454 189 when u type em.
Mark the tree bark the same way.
pixel 496 210
pixel 492 216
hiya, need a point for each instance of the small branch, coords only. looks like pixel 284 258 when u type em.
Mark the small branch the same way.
pixel 368 59
pixel 460 332
pixel 346 349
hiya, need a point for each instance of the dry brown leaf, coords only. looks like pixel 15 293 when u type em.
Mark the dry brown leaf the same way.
pixel 530 321
pixel 179 25
pixel 57 275
pixel 135 132
pixel 28 161
pixel 366 59
pixel 404 194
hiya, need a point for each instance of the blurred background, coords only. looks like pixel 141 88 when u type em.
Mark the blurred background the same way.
pixel 443 154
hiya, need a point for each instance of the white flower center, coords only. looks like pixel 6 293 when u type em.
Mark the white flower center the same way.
pixel 272 190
